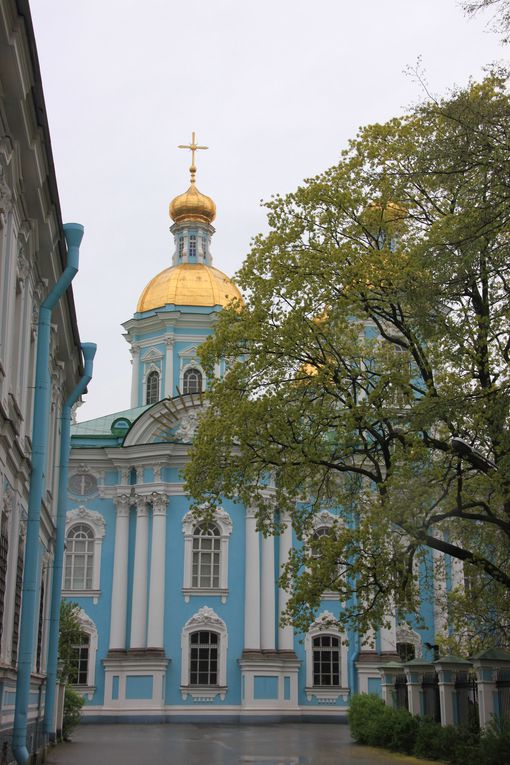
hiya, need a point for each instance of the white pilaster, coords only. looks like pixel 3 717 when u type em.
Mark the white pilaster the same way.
pixel 135 353
pixel 120 565
pixel 157 575
pixel 252 585
pixel 169 367
pixel 139 607
pixel 285 634
pixel 267 627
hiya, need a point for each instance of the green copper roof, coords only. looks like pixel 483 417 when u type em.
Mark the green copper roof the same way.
pixel 102 426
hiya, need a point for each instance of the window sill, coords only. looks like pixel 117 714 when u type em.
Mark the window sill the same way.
pixel 201 591
pixel 203 693
pixel 94 594
pixel 327 694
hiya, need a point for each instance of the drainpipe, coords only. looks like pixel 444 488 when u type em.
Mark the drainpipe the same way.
pixel 73 233
pixel 89 351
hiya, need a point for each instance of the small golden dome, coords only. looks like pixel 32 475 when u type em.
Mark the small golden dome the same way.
pixel 188 284
pixel 192 205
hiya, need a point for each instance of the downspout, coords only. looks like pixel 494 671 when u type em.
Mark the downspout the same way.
pixel 73 233
pixel 89 351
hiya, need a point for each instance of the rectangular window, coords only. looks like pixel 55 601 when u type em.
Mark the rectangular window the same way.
pixel 181 246
pixel 192 246
pixel 203 658
pixel 17 603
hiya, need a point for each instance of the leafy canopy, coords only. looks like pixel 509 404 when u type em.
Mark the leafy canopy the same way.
pixel 369 370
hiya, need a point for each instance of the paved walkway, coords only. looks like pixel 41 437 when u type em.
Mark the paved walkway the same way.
pixel 188 744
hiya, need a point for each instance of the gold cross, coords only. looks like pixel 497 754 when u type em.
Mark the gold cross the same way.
pixel 193 147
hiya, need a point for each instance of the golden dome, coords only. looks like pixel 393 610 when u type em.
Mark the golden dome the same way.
pixel 192 205
pixel 188 284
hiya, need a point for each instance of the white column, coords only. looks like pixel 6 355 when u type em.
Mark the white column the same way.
pixel 135 353
pixel 169 367
pixel 285 634
pixel 267 628
pixel 139 602
pixel 252 585
pixel 120 572
pixel 157 576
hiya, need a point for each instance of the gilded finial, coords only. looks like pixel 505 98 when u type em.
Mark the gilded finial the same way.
pixel 193 146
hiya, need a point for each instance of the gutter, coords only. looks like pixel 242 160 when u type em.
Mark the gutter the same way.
pixel 73 233
pixel 89 351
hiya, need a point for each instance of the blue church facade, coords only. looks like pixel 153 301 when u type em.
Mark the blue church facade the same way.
pixel 181 620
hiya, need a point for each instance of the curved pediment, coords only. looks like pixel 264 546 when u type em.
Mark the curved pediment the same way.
pixel 169 421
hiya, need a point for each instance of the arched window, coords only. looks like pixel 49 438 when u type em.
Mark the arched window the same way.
pixel 326 660
pixel 326 663
pixel 204 645
pixel 152 388
pixel 79 558
pixel 192 381
pixel 321 531
pixel 203 658
pixel 206 556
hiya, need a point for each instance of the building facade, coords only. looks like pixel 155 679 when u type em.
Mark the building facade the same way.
pixel 33 256
pixel 180 619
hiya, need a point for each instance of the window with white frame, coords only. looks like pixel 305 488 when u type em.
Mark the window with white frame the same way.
pixel 206 555
pixel 192 381
pixel 326 660
pixel 152 388
pixel 204 643
pixel 85 530
pixel 324 525
pixel 78 674
pixel 203 658
pixel 83 662
pixel 79 558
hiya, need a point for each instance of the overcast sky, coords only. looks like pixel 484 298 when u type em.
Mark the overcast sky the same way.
pixel 275 88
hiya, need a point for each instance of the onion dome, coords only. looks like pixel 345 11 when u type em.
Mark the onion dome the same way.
pixel 192 206
pixel 191 284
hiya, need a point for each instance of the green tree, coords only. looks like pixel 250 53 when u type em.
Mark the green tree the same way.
pixel 368 368
pixel 501 18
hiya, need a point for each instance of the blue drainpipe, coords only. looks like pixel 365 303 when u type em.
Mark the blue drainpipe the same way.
pixel 73 233
pixel 89 351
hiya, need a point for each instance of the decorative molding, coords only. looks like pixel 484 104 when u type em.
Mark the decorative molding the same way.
pixel 84 515
pixel 186 429
pixel 207 617
pixel 407 635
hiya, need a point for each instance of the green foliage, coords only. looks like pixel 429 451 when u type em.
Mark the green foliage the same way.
pixel 375 724
pixel 369 369
pixel 495 743
pixel 69 636
pixel 372 723
pixel 73 703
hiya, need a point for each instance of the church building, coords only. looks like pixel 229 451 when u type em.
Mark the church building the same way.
pixel 180 619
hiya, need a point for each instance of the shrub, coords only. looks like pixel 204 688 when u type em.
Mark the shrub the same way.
pixel 434 741
pixel 375 724
pixel 73 702
pixel 365 712
pixel 495 743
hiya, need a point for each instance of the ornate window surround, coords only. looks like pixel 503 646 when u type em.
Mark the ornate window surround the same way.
pixel 207 620
pixel 407 635
pixel 188 359
pixel 189 523
pixel 89 628
pixel 96 522
pixel 325 624
pixel 148 367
